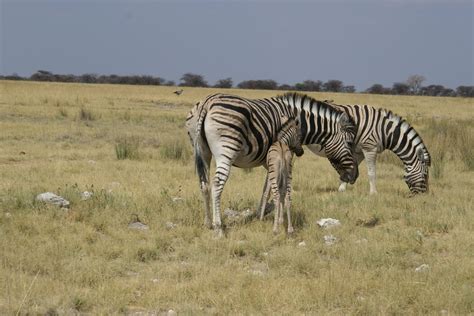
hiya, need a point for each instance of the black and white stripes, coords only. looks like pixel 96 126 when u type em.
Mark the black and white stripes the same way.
pixel 380 129
pixel 238 131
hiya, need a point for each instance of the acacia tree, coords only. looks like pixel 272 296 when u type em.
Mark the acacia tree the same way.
pixel 193 80
pixel 224 83
pixel 414 82
pixel 333 86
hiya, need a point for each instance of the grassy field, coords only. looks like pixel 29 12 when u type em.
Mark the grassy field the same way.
pixel 67 138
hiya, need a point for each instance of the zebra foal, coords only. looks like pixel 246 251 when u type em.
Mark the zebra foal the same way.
pixel 279 163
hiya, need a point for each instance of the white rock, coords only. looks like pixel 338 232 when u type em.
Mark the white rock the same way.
pixel 328 222
pixel 302 244
pixel 155 280
pixel 170 225
pixel 171 313
pixel 247 213
pixel 86 195
pixel 361 241
pixel 51 198
pixel 329 240
pixel 424 267
pixel 177 199
pixel 138 225
pixel 8 215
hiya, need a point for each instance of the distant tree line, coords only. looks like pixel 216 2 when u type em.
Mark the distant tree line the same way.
pixel 412 86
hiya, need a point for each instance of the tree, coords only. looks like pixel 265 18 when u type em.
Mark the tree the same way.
pixel 333 86
pixel 377 88
pixel 309 85
pixel 414 82
pixel 258 84
pixel 42 75
pixel 193 80
pixel 400 88
pixel 224 83
pixel 348 89
pixel 465 91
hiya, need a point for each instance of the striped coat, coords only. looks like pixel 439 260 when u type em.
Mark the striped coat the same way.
pixel 239 132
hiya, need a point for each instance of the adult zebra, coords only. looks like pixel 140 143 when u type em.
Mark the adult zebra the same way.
pixel 380 129
pixel 239 132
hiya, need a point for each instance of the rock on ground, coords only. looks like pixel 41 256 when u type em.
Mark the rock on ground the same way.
pixel 138 226
pixel 328 222
pixel 51 198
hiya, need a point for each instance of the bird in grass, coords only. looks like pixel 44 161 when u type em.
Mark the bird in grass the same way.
pixel 178 92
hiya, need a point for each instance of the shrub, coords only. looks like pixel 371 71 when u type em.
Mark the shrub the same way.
pixel 127 148
pixel 175 150
pixel 86 115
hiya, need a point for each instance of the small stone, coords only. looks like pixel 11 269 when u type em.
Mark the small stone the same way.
pixel 155 280
pixel 422 268
pixel 171 313
pixel 328 223
pixel 265 254
pixel 444 312
pixel 247 213
pixel 51 198
pixel 8 215
pixel 329 240
pixel 138 226
pixel 170 225
pixel 361 241
pixel 231 213
pixel 86 195
pixel 178 199
pixel 302 244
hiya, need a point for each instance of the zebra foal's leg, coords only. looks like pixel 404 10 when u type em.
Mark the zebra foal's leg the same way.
pixel 290 229
pixel 371 157
pixel 264 199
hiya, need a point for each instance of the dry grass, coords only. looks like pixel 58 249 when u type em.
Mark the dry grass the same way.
pixel 86 260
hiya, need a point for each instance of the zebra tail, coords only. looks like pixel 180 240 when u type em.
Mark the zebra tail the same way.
pixel 200 165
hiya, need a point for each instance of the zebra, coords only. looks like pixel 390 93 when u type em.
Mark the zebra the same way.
pixel 381 129
pixel 239 131
pixel 279 163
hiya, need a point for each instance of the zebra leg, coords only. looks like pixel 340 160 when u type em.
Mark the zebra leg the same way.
pixel 277 211
pixel 371 157
pixel 264 199
pixel 288 206
pixel 220 178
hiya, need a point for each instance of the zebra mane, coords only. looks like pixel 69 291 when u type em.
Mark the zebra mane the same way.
pixel 303 102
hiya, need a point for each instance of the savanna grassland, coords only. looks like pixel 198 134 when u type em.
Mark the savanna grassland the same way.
pixel 68 138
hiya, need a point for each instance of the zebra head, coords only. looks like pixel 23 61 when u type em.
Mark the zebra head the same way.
pixel 290 134
pixel 417 173
pixel 340 149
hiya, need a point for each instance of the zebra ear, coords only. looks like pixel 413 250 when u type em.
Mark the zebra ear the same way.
pixel 346 122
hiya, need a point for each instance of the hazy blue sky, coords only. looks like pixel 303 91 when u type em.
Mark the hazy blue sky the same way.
pixel 358 42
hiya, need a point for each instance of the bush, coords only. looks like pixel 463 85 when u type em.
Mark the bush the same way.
pixel 86 115
pixel 175 150
pixel 127 148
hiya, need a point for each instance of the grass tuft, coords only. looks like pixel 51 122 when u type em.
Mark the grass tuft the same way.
pixel 127 147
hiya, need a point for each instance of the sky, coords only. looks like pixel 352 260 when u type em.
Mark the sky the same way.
pixel 358 42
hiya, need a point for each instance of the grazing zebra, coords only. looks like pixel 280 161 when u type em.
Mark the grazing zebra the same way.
pixel 380 129
pixel 279 159
pixel 238 132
